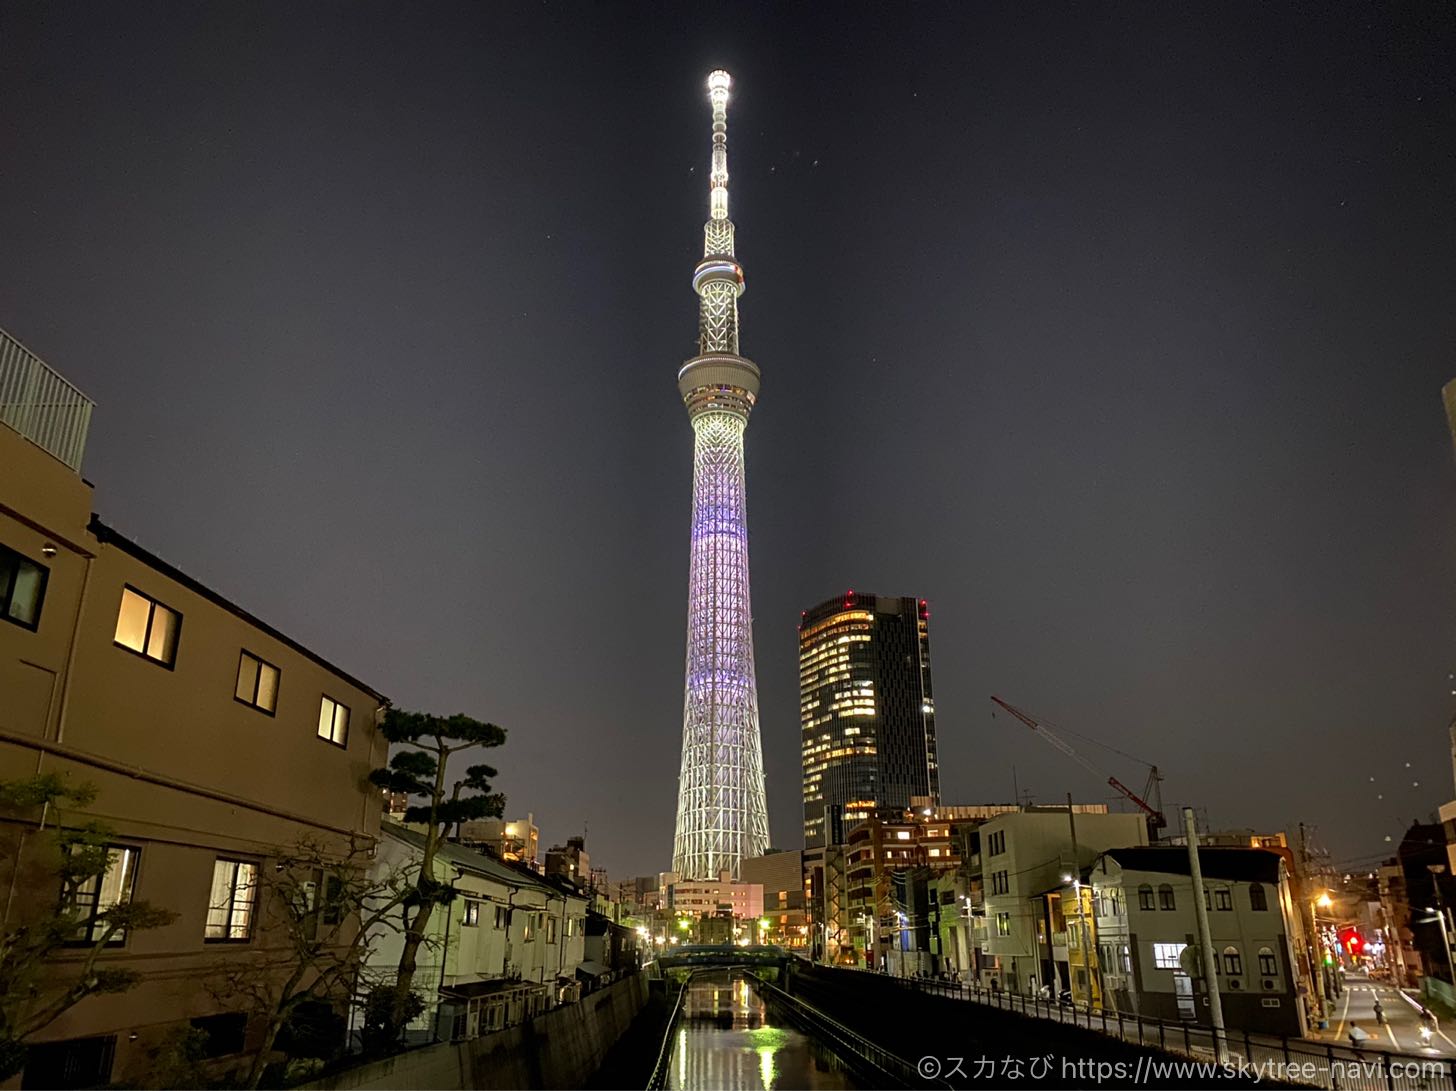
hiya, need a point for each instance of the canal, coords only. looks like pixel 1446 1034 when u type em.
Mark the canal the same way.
pixel 728 1038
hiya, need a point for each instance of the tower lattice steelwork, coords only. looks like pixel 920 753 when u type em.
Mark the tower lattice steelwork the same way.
pixel 721 814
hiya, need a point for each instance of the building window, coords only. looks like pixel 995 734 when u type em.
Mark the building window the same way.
pixel 500 916
pixel 145 626
pixel 1222 899
pixel 22 589
pixel 226 1033
pixel 471 917
pixel 1003 924
pixel 550 929
pixel 996 843
pixel 1165 897
pixel 333 722
pixel 1268 964
pixel 1233 963
pixel 1258 900
pixel 1145 897
pixel 79 1062
pixel 101 892
pixel 1001 882
pixel 230 911
pixel 1168 956
pixel 257 683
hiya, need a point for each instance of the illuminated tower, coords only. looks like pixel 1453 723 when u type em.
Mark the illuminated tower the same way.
pixel 721 815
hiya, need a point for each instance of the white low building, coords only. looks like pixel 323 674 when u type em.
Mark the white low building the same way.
pixel 1147 936
pixel 507 947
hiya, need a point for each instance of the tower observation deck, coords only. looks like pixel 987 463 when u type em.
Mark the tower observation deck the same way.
pixel 721 813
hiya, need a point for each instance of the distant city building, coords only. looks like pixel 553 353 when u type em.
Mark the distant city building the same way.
pixel 866 711
pixel 517 840
pixel 781 874
pixel 210 739
pixel 721 813
pixel 713 897
pixel 570 861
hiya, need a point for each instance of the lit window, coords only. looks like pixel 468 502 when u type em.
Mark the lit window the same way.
pixel 230 911
pixel 257 683
pixel 101 892
pixel 1168 956
pixel 334 722
pixel 22 589
pixel 550 929
pixel 145 626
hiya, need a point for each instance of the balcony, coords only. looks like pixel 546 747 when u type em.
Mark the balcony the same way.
pixel 40 405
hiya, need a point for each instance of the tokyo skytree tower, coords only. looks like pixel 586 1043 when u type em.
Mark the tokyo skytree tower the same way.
pixel 721 814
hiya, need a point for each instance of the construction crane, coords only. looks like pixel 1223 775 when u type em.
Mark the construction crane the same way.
pixel 1156 821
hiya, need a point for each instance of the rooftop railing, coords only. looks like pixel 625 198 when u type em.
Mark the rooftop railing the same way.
pixel 41 405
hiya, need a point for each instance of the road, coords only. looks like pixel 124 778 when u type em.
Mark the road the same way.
pixel 1401 1031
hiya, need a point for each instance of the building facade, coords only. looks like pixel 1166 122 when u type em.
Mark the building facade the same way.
pixel 213 742
pixel 1025 859
pixel 866 711
pixel 721 812
pixel 508 946
pixel 514 840
pixel 1147 944
pixel 781 875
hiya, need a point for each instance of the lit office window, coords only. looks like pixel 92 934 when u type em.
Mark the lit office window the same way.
pixel 145 626
pixel 230 910
pixel 257 683
pixel 101 892
pixel 1168 956
pixel 333 722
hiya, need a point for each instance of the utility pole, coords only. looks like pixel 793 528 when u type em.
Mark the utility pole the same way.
pixel 1205 939
pixel 1082 917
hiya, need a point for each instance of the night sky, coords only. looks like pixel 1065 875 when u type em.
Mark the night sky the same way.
pixel 1115 331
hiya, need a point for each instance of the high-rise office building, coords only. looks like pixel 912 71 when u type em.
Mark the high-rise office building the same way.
pixel 866 709
pixel 721 814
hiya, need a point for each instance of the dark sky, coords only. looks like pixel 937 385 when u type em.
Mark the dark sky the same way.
pixel 1115 331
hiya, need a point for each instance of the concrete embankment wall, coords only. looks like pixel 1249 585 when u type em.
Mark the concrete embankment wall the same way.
pixel 559 1049
pixel 988 1043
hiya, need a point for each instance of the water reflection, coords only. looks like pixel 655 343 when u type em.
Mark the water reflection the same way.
pixel 728 1039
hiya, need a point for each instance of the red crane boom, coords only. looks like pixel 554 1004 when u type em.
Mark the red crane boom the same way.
pixel 1156 821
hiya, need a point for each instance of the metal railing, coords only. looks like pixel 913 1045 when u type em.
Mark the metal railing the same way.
pixel 41 405
pixel 660 1070
pixel 888 1069
pixel 1274 1057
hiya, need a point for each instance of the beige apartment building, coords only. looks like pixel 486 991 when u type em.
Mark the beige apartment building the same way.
pixel 211 738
